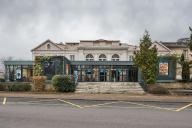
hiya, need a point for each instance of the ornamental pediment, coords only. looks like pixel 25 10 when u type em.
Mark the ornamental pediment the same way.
pixel 160 47
pixel 48 45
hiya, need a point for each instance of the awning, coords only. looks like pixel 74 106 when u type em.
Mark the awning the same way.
pixel 101 63
pixel 19 63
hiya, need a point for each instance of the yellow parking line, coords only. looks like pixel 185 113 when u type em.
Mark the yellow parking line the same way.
pixel 108 106
pixel 75 105
pixel 4 101
pixel 96 105
pixel 183 107
pixel 40 101
pixel 149 106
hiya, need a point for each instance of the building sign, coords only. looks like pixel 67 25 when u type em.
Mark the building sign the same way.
pixel 18 73
pixel 76 76
pixel 163 68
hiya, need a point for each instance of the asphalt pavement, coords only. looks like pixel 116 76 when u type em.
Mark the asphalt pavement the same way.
pixel 61 113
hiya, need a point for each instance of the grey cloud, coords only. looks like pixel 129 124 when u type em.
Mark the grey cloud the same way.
pixel 25 24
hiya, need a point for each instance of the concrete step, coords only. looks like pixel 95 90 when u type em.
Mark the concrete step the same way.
pixel 109 87
pixel 109 83
pixel 128 88
pixel 111 91
pixel 84 86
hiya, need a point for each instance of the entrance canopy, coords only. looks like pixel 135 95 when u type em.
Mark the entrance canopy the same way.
pixel 19 70
pixel 18 63
pixel 101 63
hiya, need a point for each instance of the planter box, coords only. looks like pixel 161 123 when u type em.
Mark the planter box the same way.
pixel 39 83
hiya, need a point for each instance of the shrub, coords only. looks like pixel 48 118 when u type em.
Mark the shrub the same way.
pixel 2 87
pixel 38 70
pixel 143 85
pixel 57 81
pixel 155 89
pixel 2 80
pixel 15 86
pixel 20 87
pixel 185 71
pixel 39 83
pixel 63 83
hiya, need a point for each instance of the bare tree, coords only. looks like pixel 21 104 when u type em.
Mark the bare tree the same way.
pixel 2 62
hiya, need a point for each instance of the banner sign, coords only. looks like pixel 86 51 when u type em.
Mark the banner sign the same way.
pixel 163 68
pixel 18 73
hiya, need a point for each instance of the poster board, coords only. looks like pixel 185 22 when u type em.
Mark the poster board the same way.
pixel 163 68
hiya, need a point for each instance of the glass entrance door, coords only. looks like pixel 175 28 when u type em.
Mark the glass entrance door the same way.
pixel 102 75
pixel 133 74
pixel 115 75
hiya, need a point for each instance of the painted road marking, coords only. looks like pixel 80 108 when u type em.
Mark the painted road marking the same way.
pixel 4 101
pixel 109 103
pixel 96 105
pixel 184 107
pixel 75 105
pixel 34 101
pixel 111 106
pixel 115 106
pixel 149 106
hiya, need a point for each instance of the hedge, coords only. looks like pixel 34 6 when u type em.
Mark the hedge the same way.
pixel 15 86
pixel 2 80
pixel 156 89
pixel 63 83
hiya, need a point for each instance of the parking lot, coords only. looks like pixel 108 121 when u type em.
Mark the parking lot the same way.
pixel 50 112
pixel 85 104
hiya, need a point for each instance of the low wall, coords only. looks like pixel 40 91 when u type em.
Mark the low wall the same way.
pixel 177 85
pixel 48 86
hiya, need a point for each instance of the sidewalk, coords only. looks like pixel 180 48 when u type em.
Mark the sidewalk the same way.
pixel 83 96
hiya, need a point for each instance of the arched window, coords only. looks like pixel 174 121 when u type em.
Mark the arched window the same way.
pixel 48 46
pixel 89 57
pixel 115 57
pixel 102 57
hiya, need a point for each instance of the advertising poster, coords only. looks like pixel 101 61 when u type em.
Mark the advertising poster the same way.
pixel 18 73
pixel 163 68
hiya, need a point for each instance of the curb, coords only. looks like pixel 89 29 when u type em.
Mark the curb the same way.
pixel 129 100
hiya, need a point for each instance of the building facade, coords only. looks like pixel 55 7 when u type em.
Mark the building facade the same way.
pixel 90 61
pixel 94 60
pixel 178 48
pixel 87 50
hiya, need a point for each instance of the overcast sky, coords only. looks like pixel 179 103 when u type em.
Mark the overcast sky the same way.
pixel 24 24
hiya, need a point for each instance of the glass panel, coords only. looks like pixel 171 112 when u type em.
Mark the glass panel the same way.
pixel 88 73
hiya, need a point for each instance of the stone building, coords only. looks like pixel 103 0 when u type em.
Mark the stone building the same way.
pixel 90 61
pixel 177 48
pixel 87 50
